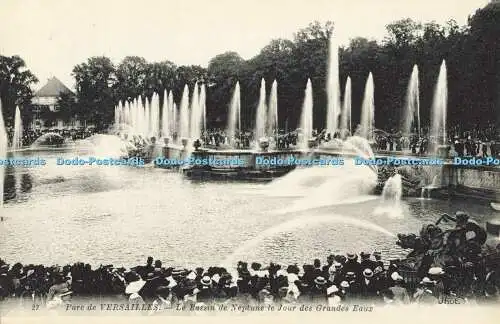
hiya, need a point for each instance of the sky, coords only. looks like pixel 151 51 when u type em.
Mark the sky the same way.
pixel 53 36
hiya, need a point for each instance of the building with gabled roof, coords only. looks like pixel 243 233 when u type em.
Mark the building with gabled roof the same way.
pixel 45 102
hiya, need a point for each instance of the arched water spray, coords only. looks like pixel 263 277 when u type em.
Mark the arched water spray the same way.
pixel 272 114
pixel 306 121
pixel 234 120
pixel 17 141
pixel 411 119
pixel 333 87
pixel 347 107
pixel 368 110
pixel 300 222
pixel 260 119
pixel 439 106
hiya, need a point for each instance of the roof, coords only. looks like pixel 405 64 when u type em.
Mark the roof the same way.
pixel 53 88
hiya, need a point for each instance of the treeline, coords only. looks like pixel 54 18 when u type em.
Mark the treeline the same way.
pixel 472 54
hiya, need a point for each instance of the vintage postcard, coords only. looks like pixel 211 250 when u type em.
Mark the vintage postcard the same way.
pixel 212 161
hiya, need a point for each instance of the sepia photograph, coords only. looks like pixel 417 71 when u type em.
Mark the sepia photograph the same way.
pixel 169 160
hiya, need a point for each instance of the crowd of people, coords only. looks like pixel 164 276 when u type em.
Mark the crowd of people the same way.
pixel 341 279
pixel 31 135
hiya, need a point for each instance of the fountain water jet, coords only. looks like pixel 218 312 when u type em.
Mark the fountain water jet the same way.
pixel 306 121
pixel 155 115
pixel 272 113
pixel 368 110
pixel 165 116
pixel 346 109
pixel 411 117
pixel 260 119
pixel 195 126
pixel 184 114
pixel 439 107
pixel 391 198
pixel 17 140
pixel 333 88
pixel 203 107
pixel 234 120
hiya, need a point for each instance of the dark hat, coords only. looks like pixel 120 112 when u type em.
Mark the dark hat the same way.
pixel 364 255
pixel 377 253
pixel 190 284
pixel 162 290
pixel 320 281
pixel 461 216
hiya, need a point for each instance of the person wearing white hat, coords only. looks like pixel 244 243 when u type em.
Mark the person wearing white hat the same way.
pixel 425 293
pixel 399 292
pixel 333 297
pixel 369 285
pixel 436 275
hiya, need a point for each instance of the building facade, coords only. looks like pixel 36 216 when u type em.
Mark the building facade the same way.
pixel 45 106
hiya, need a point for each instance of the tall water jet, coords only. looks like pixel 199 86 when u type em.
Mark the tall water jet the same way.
pixel 165 116
pixel 333 87
pixel 306 121
pixel 346 122
pixel 411 118
pixel 147 117
pixel 184 114
pixel 173 113
pixel 135 114
pixel 140 116
pixel 155 115
pixel 196 112
pixel 368 110
pixel 272 114
pixel 234 120
pixel 117 116
pixel 439 107
pixel 175 119
pixel 17 140
pixel 203 107
pixel 3 151
pixel 260 120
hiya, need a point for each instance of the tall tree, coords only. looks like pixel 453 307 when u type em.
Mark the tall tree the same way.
pixel 95 80
pixel 15 85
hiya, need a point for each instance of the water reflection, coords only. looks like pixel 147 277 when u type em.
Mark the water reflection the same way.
pixel 121 215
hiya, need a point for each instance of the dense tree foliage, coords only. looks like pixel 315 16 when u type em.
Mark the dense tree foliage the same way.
pixel 471 52
pixel 15 86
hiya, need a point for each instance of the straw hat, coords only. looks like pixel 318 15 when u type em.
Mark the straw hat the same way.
pixel 206 281
pixel 368 273
pixel 427 281
pixel 331 290
pixel 135 286
pixel 436 271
